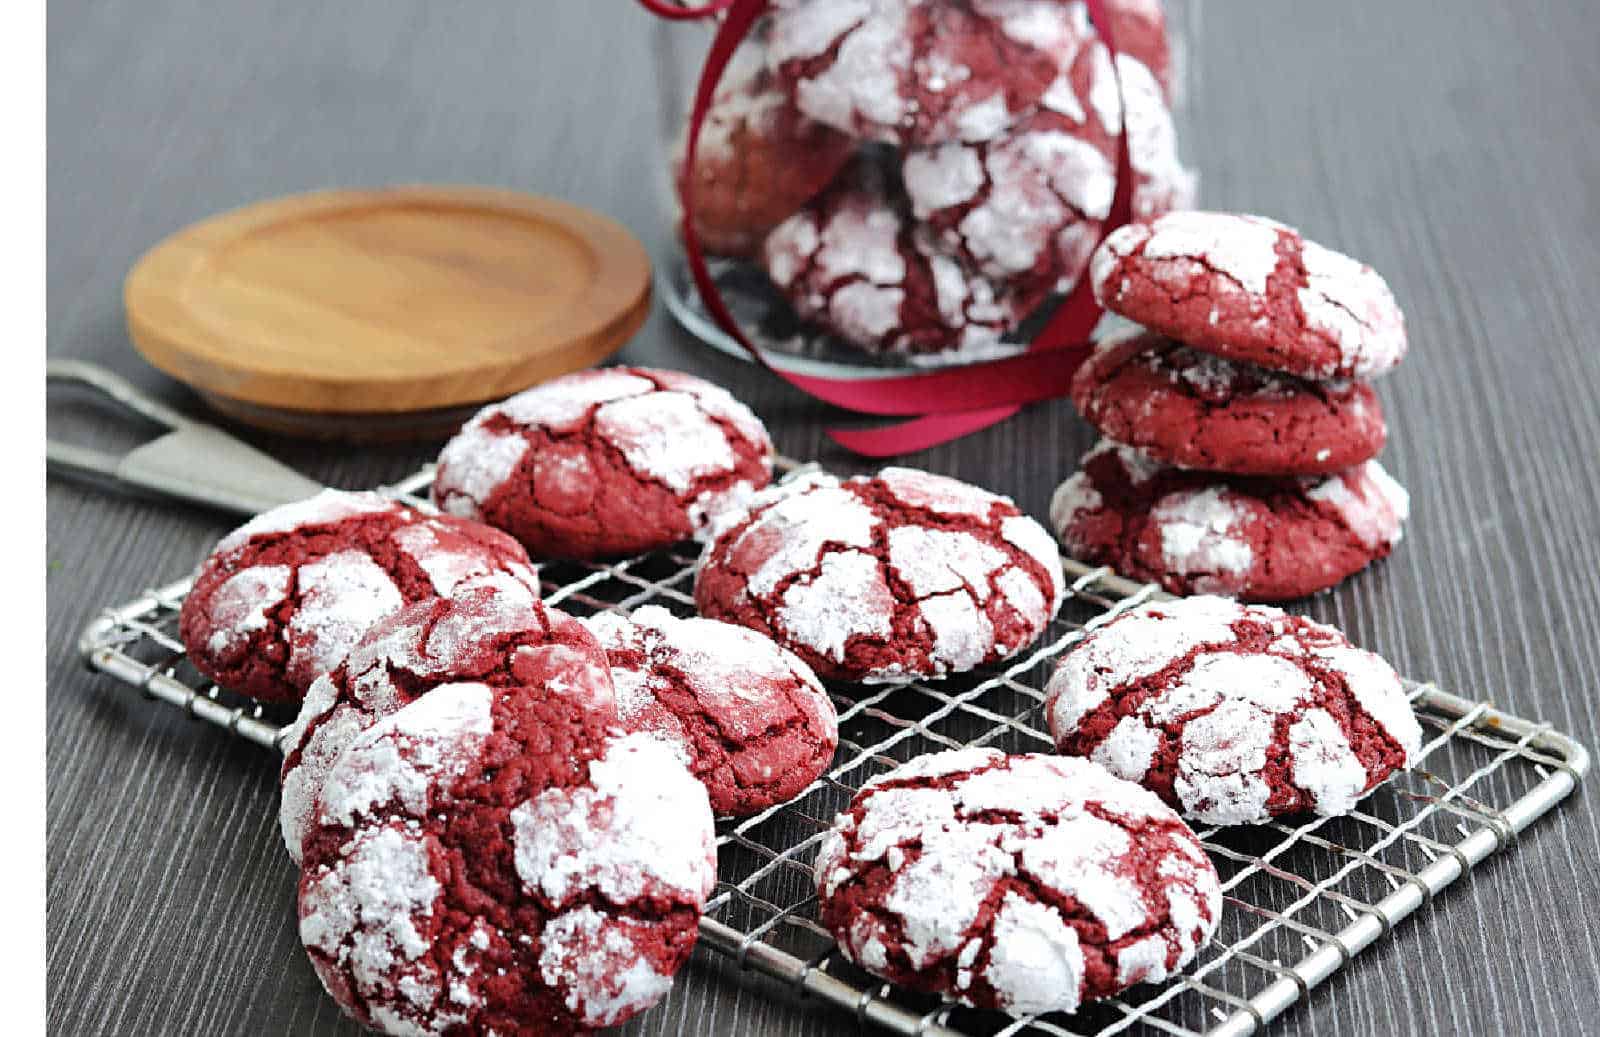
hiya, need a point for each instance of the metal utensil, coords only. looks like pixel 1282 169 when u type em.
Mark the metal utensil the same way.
pixel 193 461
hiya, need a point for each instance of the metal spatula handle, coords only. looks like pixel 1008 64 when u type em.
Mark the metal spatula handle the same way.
pixel 194 461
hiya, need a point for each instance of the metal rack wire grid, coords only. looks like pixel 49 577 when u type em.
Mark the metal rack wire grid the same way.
pixel 1302 897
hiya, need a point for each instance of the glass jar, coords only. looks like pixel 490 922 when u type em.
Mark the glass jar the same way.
pixel 946 200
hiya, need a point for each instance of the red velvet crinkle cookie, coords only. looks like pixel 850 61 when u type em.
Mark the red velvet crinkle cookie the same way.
pixel 917 72
pixel 759 159
pixel 749 719
pixel 612 461
pixel 1026 208
pixel 1021 883
pixel 1234 714
pixel 1140 27
pixel 492 631
pixel 283 597
pixel 1204 533
pixel 898 575
pixel 1253 290
pixel 497 861
pixel 1197 410
pixel 855 263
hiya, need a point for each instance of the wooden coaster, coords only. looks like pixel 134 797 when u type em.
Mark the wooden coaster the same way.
pixel 313 312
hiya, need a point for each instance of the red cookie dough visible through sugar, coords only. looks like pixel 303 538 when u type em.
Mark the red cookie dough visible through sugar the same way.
pixel 606 462
pixel 1196 410
pixel 491 631
pixel 284 596
pixel 1204 533
pixel 758 159
pixel 1027 884
pixel 749 718
pixel 1252 290
pixel 899 575
pixel 1025 209
pixel 499 861
pixel 1233 714
pixel 917 72
pixel 854 262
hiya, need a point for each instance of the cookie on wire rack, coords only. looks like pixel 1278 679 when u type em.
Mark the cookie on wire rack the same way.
pixel 1196 532
pixel 497 861
pixel 884 578
pixel 1030 883
pixel 1233 714
pixel 750 719
pixel 492 630
pixel 283 597
pixel 606 462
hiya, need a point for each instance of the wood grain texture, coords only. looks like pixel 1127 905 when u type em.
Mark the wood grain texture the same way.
pixel 1453 145
pixel 361 302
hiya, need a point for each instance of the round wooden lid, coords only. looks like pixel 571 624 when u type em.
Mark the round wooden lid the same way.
pixel 384 302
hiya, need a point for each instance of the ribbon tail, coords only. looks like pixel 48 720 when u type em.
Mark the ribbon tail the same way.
pixel 910 436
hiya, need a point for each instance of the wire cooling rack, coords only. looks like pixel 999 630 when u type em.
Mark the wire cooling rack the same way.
pixel 1301 898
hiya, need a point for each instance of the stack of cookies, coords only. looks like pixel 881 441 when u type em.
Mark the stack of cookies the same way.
pixel 918 176
pixel 1240 426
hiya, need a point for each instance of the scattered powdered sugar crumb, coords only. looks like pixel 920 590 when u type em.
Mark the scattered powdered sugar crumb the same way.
pixel 642 824
pixel 595 960
pixel 239 607
pixel 341 595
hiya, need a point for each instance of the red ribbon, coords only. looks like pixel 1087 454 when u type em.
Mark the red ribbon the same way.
pixel 953 401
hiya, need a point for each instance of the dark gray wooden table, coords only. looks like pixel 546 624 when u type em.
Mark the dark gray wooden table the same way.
pixel 1454 145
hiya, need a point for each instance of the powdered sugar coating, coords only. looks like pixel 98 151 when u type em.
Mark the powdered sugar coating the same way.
pixel 641 826
pixel 1014 882
pixel 1253 290
pixel 419 906
pixel 884 578
pixel 1026 209
pixel 1202 532
pixel 914 71
pixel 281 599
pixel 855 262
pixel 1233 713
pixel 759 157
pixel 602 462
pixel 493 630
pixel 748 718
